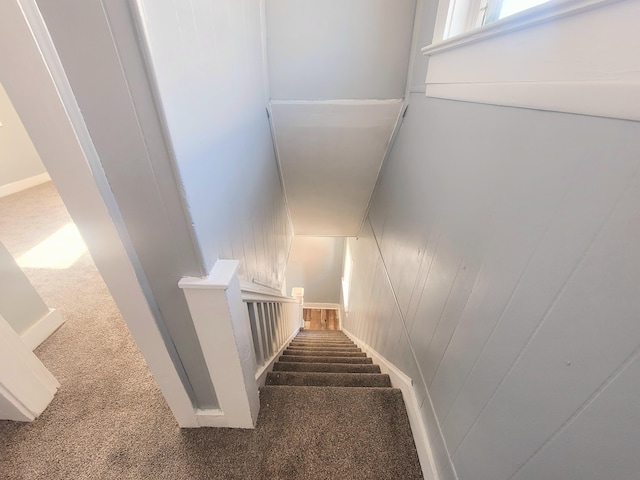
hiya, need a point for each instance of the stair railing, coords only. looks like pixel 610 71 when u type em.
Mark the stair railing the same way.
pixel 241 331
pixel 274 320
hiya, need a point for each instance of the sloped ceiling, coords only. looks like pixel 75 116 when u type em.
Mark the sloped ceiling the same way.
pixel 337 76
pixel 330 155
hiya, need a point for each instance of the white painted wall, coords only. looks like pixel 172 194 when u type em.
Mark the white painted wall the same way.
pixel 39 89
pixel 20 303
pixel 19 159
pixel 338 49
pixel 207 57
pixel 315 263
pixel 510 237
pixel 113 90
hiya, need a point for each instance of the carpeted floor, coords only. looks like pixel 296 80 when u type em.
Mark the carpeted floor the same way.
pixel 109 420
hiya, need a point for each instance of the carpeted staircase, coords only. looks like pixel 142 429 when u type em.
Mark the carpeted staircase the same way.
pixel 339 415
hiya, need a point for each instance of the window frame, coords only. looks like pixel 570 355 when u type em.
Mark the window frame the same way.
pixel 548 58
pixel 447 20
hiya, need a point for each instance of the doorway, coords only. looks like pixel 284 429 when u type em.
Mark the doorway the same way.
pixel 321 319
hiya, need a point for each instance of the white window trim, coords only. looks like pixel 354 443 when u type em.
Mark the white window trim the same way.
pixel 549 11
pixel 509 62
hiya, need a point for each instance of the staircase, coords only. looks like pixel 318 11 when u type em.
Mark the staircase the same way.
pixel 339 413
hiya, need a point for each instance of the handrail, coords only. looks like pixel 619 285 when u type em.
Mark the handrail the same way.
pixel 251 292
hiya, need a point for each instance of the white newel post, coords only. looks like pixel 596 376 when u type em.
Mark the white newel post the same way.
pixel 298 294
pixel 222 323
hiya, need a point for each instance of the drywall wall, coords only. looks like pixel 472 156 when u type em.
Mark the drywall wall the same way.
pixel 208 61
pixel 19 159
pixel 315 263
pixel 338 49
pixel 114 93
pixel 510 238
pixel 20 303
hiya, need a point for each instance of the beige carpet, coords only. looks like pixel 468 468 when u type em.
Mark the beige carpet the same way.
pixel 109 420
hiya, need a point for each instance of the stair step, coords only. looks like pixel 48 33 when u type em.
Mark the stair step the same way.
pixel 338 433
pixel 337 336
pixel 325 367
pixel 324 379
pixel 324 347
pixel 321 359
pixel 323 353
pixel 328 342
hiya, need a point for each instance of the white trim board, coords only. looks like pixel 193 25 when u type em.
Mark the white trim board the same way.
pixel 599 99
pixel 551 65
pixel 212 417
pixel 20 185
pixel 545 12
pixel 322 306
pixel 404 383
pixel 42 329
pixel 26 386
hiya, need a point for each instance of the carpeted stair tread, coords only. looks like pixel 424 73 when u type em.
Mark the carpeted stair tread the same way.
pixel 322 359
pixel 323 353
pixel 327 341
pixel 323 345
pixel 324 342
pixel 336 433
pixel 325 379
pixel 324 348
pixel 325 367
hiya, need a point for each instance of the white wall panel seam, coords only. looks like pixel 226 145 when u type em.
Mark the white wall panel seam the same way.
pixel 592 398
pixel 442 310
pixel 506 306
pixel 561 291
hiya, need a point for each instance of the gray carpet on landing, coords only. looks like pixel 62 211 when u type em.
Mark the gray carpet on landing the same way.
pixel 109 420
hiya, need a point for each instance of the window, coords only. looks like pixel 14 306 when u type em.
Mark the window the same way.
pixel 346 277
pixel 465 15
pixel 509 7
pixel 548 57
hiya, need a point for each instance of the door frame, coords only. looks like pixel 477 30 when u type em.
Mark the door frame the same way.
pixel 33 76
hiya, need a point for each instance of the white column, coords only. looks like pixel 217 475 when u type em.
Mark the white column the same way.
pixel 221 321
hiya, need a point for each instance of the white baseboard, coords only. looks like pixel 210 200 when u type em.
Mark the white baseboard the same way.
pixel 15 187
pixel 405 384
pixel 42 329
pixel 261 374
pixel 322 306
pixel 212 417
